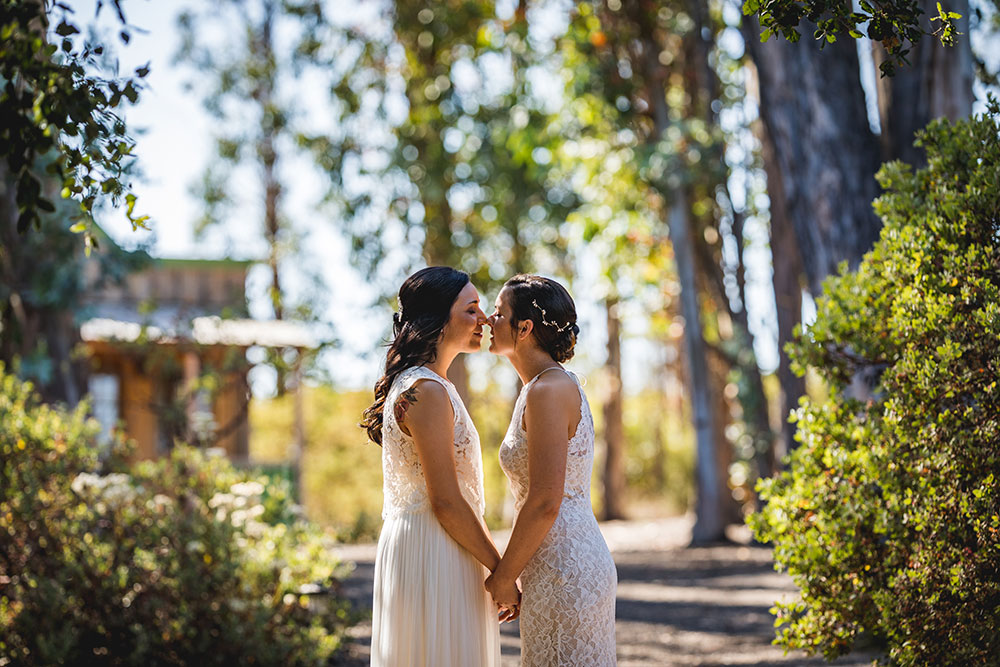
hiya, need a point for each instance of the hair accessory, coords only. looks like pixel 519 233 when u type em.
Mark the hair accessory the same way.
pixel 558 328
pixel 400 311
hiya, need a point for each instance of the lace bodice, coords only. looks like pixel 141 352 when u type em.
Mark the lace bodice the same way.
pixel 579 454
pixel 403 484
pixel 568 603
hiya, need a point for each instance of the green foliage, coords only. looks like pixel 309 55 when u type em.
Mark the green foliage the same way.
pixel 889 516
pixel 53 103
pixel 180 561
pixel 250 63
pixel 896 24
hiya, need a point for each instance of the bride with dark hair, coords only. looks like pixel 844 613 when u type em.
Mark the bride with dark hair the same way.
pixel 567 574
pixel 434 551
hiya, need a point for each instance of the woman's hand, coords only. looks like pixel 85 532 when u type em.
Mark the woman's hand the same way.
pixel 506 596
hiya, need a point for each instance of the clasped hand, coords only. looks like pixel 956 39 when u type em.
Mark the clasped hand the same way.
pixel 507 597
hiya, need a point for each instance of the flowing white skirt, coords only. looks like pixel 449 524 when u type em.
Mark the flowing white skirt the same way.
pixel 430 607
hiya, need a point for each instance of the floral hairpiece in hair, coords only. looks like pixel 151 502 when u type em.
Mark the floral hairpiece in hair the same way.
pixel 559 329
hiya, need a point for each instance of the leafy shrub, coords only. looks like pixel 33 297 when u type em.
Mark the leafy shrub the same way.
pixel 889 516
pixel 185 560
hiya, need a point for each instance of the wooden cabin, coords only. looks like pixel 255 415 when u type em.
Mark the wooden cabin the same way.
pixel 168 354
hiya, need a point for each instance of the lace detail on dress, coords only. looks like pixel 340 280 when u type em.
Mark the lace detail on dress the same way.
pixel 568 604
pixel 403 484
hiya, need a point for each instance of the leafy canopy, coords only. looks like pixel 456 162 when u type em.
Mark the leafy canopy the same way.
pixel 895 24
pixel 56 100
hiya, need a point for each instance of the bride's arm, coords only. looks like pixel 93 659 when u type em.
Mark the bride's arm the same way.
pixel 546 420
pixel 427 415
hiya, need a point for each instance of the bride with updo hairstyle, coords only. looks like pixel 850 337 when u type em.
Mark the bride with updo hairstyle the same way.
pixel 568 578
pixel 546 303
pixel 434 551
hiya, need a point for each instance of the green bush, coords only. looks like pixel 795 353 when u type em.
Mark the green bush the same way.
pixel 888 518
pixel 185 560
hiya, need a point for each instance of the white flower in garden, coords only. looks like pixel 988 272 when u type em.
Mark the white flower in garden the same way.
pixel 255 529
pixel 118 490
pixel 251 488
pixel 85 481
pixel 220 499
pixel 117 479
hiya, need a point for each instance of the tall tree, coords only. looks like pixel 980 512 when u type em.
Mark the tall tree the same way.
pixel 618 231
pixel 631 48
pixel 812 105
pixel 936 83
pixel 61 100
pixel 66 152
pixel 470 164
pixel 270 54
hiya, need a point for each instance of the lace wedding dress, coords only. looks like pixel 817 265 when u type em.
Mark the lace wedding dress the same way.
pixel 430 606
pixel 568 601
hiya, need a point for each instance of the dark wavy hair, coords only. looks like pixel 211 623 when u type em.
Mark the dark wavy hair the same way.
pixel 425 301
pixel 546 303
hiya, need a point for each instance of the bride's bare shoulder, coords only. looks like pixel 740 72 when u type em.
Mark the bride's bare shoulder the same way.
pixel 553 386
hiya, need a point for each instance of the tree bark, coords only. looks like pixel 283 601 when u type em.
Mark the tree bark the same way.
pixel 937 83
pixel 614 423
pixel 786 277
pixel 813 108
pixel 268 155
pixel 710 522
pixel 26 323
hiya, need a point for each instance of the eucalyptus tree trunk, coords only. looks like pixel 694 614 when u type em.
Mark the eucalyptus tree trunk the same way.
pixel 787 278
pixel 267 155
pixel 821 155
pixel 710 521
pixel 704 89
pixel 26 323
pixel 812 106
pixel 936 84
pixel 614 423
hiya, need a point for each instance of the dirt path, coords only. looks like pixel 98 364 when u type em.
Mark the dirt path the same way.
pixel 676 605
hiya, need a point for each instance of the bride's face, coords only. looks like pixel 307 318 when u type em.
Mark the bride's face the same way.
pixel 464 329
pixel 501 335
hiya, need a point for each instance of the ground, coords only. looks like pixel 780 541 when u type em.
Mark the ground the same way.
pixel 677 605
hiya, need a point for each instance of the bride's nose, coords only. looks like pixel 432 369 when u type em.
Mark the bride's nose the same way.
pixel 490 320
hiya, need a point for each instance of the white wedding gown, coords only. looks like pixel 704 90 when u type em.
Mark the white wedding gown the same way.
pixel 430 606
pixel 568 586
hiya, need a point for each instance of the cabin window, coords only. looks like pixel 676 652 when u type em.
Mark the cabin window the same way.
pixel 104 396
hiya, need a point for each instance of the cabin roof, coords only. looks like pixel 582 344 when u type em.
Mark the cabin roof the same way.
pixel 204 330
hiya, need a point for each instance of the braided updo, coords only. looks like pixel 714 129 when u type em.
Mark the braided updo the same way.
pixel 550 307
